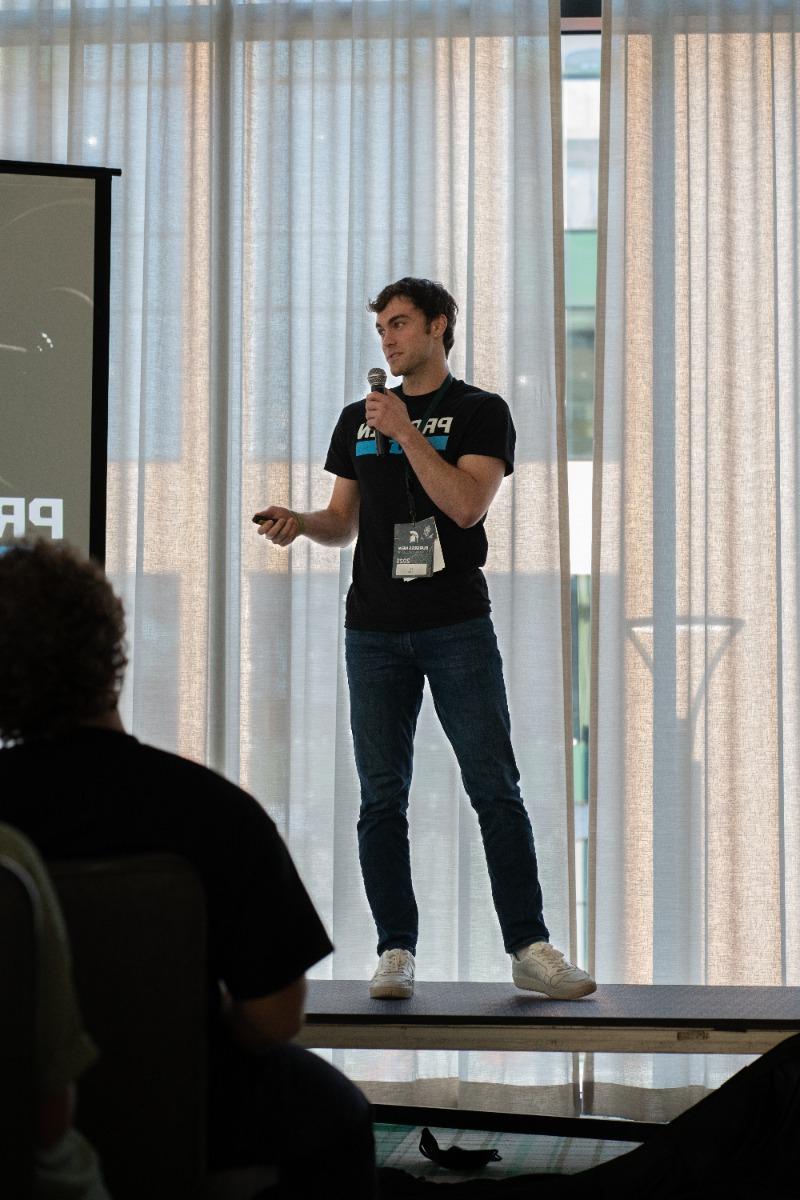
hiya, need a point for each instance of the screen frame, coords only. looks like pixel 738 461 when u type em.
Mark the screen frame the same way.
pixel 102 177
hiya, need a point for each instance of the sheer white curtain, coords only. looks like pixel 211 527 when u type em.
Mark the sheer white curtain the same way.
pixel 280 162
pixel 695 766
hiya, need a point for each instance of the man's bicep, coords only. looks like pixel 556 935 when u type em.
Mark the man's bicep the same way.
pixel 487 472
pixel 345 500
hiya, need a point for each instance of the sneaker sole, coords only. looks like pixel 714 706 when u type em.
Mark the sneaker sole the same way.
pixel 391 991
pixel 575 993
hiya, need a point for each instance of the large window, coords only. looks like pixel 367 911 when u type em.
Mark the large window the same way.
pixel 580 64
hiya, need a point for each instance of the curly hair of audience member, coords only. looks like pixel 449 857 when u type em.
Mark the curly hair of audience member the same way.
pixel 62 641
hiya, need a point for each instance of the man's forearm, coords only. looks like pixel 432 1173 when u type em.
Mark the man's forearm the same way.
pixel 335 525
pixel 328 528
pixel 452 490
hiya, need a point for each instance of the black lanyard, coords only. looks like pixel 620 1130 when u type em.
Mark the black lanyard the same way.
pixel 409 474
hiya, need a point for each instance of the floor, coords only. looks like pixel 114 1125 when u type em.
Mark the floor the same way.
pixel 520 1154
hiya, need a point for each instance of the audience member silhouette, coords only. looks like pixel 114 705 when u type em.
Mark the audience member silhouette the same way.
pixel 75 783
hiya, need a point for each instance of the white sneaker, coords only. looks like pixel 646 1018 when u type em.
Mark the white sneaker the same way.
pixel 394 976
pixel 542 968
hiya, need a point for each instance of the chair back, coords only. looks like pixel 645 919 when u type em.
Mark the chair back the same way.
pixel 137 928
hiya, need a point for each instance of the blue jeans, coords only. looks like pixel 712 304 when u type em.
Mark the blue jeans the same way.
pixel 386 673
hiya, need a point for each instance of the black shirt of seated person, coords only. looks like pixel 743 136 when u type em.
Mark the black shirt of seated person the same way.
pixel 466 421
pixel 93 793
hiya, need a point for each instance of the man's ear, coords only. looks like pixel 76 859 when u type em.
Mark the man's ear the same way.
pixel 439 325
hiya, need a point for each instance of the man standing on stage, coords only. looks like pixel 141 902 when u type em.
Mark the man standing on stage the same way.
pixel 418 608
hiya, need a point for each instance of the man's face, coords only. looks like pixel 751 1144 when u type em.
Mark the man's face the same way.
pixel 408 340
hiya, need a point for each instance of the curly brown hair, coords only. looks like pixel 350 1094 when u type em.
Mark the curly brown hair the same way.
pixel 62 631
pixel 433 298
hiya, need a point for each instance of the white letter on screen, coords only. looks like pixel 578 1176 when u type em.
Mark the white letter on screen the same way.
pixel 12 510
pixel 52 519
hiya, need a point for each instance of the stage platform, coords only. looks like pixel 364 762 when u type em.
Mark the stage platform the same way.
pixel 618 1018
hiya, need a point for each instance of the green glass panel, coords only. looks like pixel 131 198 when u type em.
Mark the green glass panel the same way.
pixel 580 252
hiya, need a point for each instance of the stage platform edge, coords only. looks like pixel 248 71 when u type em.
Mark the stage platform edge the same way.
pixel 618 1018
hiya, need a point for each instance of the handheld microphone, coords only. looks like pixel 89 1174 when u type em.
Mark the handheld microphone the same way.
pixel 376 378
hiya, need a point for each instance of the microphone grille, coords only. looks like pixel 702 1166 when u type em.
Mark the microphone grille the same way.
pixel 376 377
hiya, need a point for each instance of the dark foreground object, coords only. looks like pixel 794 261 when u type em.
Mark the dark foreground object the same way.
pixel 742 1143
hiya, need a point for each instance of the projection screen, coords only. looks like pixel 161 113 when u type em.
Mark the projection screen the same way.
pixel 55 226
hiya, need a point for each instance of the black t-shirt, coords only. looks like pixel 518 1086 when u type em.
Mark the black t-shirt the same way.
pixel 466 421
pixel 95 793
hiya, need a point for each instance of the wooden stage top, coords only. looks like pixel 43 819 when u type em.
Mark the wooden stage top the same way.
pixel 651 1018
